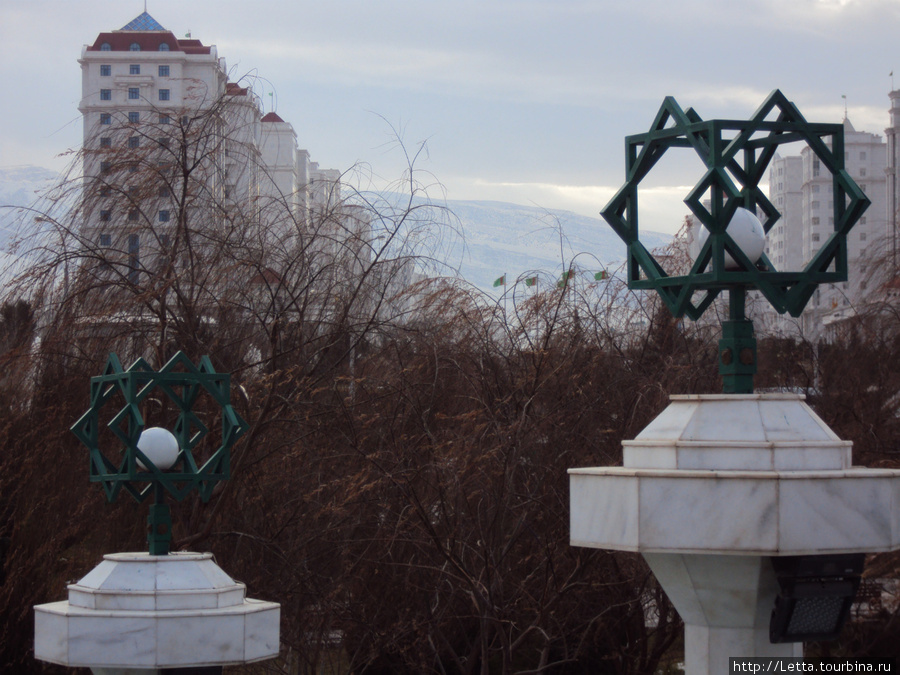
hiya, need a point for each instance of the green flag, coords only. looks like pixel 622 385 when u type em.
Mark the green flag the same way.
pixel 600 276
pixel 564 279
pixel 500 281
pixel 531 281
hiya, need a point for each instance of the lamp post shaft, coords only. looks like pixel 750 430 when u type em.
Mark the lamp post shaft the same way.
pixel 159 524
pixel 737 348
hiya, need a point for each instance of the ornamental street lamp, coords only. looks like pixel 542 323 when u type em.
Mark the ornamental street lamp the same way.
pixel 157 612
pixel 154 461
pixel 736 154
pixel 745 506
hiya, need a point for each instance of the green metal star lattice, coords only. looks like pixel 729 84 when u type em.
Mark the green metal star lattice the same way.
pixel 181 382
pixel 736 154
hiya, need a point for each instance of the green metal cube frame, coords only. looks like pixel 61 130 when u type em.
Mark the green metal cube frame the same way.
pixel 181 382
pixel 736 154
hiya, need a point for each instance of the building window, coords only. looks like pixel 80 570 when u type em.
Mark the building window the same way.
pixel 134 142
pixel 134 117
pixel 105 191
pixel 862 253
pixel 134 93
pixel 134 69
pixel 862 236
pixel 163 94
pixel 164 240
pixel 105 142
pixel 816 167
pixel 164 216
pixel 106 240
pixel 863 187
pixel 862 220
pixel 105 167
pixel 815 188
pixel 163 47
pixel 164 119
pixel 164 71
pixel 185 120
pixel 163 191
pixel 105 118
pixel 863 285
pixel 815 236
pixel 135 47
pixel 104 218
pixel 106 94
pixel 134 257
pixel 105 47
pixel 105 70
pixel 814 204
pixel 163 142
pixel 132 168
pixel 814 220
pixel 862 155
pixel 862 171
pixel 133 216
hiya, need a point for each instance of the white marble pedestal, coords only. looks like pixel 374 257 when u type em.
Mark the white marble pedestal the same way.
pixel 138 613
pixel 712 489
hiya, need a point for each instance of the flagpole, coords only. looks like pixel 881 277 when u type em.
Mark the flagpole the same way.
pixel 504 300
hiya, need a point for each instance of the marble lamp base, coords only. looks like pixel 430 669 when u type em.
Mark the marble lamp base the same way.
pixel 715 487
pixel 138 613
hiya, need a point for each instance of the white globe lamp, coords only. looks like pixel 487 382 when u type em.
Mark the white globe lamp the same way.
pixel 160 446
pixel 746 231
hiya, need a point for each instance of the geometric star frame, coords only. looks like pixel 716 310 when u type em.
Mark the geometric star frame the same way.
pixel 181 382
pixel 736 154
pixel 182 389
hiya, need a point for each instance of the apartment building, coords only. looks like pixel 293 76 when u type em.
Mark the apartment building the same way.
pixel 801 190
pixel 155 106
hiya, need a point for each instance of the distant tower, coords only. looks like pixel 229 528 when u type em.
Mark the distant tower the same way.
pixel 893 162
pixel 801 190
pixel 137 84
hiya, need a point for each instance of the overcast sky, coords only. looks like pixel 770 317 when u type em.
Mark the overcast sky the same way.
pixel 524 101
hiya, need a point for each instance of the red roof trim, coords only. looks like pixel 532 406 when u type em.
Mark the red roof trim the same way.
pixel 121 41
pixel 271 117
pixel 233 89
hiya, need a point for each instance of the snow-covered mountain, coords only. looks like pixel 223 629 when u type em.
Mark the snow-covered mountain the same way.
pixel 20 187
pixel 519 241
pixel 485 241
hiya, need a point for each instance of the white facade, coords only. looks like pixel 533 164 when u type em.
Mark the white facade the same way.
pixel 801 189
pixel 145 94
pixel 892 195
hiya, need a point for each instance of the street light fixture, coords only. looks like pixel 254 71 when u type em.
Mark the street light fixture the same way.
pixel 816 594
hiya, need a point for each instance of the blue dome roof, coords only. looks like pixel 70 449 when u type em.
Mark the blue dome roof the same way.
pixel 143 22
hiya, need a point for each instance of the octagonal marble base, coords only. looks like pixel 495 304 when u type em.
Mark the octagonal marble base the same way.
pixel 138 611
pixel 755 474
pixel 713 488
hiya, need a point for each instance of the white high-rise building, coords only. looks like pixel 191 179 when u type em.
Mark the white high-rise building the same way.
pixel 801 189
pixel 149 100
pixel 892 196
